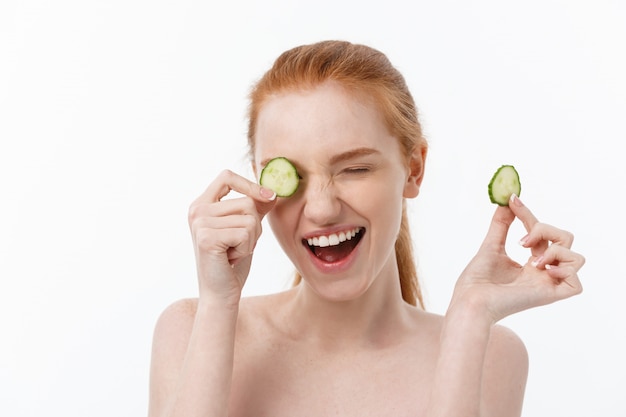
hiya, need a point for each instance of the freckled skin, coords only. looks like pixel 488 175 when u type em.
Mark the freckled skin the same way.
pixel 344 342
pixel 310 128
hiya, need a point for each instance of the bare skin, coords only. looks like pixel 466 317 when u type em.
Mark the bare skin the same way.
pixel 279 372
pixel 344 342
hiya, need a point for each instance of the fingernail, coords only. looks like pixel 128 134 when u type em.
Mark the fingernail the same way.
pixel 537 261
pixel 515 200
pixel 523 240
pixel 267 193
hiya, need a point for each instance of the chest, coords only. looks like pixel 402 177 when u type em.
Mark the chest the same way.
pixel 298 381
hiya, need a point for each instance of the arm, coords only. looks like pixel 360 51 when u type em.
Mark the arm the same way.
pixel 192 360
pixel 481 369
pixel 193 347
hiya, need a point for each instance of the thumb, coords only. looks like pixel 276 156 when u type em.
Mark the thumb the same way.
pixel 499 228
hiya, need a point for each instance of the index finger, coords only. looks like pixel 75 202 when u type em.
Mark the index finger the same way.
pixel 228 181
pixel 522 212
pixel 530 221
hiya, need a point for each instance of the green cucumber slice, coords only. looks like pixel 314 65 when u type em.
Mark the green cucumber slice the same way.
pixel 280 176
pixel 504 183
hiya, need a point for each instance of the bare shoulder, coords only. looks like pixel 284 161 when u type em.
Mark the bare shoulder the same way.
pixel 183 308
pixel 505 368
pixel 504 344
pixel 506 347
pixel 176 320
pixel 169 344
pixel 505 373
pixel 175 324
pixel 172 332
pixel 257 314
pixel 505 337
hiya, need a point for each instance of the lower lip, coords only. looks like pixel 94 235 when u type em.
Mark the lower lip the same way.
pixel 334 267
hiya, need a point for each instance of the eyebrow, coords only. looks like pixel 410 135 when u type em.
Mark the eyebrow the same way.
pixel 352 154
pixel 341 157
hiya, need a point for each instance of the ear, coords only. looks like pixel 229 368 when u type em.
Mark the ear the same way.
pixel 417 161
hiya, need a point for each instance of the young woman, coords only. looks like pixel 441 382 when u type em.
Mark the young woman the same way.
pixel 351 338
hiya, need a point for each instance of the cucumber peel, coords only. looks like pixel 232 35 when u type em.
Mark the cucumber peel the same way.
pixel 280 176
pixel 503 184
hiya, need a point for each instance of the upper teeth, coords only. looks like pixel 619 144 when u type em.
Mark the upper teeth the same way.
pixel 333 239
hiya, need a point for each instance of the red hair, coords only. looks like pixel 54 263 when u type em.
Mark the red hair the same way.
pixel 360 70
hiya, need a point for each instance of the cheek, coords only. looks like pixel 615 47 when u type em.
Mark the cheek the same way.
pixel 380 202
pixel 281 221
pixel 383 194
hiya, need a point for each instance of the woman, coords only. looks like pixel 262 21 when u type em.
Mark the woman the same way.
pixel 351 338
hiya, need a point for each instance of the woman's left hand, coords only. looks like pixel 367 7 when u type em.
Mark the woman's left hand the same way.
pixel 500 286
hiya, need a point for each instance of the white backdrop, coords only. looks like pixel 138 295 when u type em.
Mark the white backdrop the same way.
pixel 116 114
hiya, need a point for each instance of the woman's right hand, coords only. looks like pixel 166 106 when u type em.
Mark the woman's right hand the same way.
pixel 225 233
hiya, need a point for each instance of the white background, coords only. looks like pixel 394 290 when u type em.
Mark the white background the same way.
pixel 116 114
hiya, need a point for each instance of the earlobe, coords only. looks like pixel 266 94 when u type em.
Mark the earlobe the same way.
pixel 416 172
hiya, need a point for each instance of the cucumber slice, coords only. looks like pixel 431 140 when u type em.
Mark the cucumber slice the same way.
pixel 504 183
pixel 280 176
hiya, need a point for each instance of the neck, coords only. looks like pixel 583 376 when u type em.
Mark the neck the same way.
pixel 374 319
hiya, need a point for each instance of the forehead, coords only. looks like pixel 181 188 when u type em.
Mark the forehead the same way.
pixel 320 120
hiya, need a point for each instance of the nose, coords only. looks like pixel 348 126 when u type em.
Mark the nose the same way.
pixel 322 205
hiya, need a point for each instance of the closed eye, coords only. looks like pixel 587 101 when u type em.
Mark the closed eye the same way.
pixel 357 170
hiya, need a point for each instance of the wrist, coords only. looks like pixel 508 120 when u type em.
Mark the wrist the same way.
pixel 214 302
pixel 470 311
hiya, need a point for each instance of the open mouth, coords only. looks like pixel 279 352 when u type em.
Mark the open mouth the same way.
pixel 336 246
